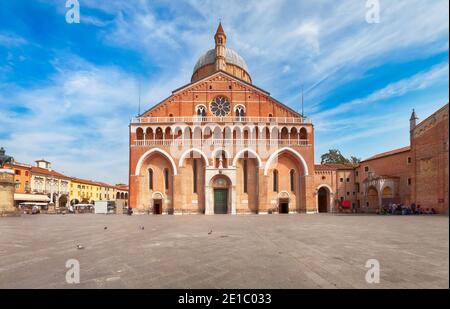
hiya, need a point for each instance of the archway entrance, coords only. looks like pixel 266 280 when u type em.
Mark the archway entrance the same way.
pixel 283 202
pixel 372 198
pixel 157 201
pixel 62 201
pixel 387 197
pixel 157 207
pixel 323 198
pixel 221 186
pixel 283 206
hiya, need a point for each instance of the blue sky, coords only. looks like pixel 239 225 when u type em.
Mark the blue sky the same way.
pixel 67 91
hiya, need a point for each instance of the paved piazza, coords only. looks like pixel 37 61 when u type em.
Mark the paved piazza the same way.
pixel 266 251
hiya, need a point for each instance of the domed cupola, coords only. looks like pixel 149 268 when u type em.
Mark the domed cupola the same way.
pixel 221 58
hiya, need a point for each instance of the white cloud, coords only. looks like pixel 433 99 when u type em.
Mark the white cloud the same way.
pixel 319 41
pixel 11 40
pixel 420 81
pixel 80 119
pixel 79 122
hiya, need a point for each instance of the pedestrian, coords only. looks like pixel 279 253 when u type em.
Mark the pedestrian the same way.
pixel 419 210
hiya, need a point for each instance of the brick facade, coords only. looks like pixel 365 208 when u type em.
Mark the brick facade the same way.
pixel 429 152
pixel 259 151
pixel 220 141
pixel 414 174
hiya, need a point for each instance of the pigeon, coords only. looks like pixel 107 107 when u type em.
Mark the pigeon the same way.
pixel 80 247
pixel 210 232
pixel 105 228
pixel 141 227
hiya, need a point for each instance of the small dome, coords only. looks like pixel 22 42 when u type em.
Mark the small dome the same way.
pixel 232 57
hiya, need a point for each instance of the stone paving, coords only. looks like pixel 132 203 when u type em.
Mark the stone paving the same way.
pixel 265 251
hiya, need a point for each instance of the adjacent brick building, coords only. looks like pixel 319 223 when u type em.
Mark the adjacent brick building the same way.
pixel 429 161
pixel 414 174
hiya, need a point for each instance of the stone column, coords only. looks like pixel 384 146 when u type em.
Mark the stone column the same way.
pixel 7 184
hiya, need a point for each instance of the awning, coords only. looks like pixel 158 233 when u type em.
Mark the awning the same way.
pixel 31 197
pixel 346 204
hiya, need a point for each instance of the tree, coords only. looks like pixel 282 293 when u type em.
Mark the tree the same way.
pixel 355 160
pixel 334 156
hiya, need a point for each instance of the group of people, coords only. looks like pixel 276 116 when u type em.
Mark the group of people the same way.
pixel 400 209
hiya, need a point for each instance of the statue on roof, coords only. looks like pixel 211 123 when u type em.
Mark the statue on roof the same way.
pixel 4 159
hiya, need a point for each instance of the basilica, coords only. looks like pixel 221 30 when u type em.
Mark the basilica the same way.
pixel 221 145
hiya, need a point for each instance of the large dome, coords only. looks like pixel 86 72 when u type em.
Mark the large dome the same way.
pixel 232 57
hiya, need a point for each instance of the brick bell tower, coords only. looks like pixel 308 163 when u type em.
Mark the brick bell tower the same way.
pixel 413 170
pixel 221 51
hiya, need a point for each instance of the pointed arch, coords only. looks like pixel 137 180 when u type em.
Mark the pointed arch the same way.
pixel 287 149
pixel 148 153
pixel 187 152
pixel 240 153
pixel 139 134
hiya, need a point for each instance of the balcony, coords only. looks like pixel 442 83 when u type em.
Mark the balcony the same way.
pixel 228 119
pixel 221 142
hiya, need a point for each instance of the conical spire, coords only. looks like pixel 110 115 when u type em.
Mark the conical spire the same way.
pixel 413 120
pixel 220 29
pixel 413 115
pixel 221 41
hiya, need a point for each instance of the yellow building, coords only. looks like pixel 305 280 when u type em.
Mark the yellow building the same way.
pixel 84 191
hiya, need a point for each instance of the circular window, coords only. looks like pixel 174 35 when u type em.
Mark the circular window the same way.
pixel 220 106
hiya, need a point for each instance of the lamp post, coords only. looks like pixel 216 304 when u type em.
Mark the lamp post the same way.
pixel 51 205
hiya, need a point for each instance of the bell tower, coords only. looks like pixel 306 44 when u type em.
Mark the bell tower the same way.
pixel 413 120
pixel 220 40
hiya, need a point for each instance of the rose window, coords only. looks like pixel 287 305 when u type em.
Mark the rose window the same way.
pixel 220 106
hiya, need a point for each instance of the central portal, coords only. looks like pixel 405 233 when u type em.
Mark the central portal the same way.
pixel 220 201
pixel 220 193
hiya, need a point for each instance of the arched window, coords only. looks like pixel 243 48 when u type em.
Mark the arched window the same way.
pixel 292 180
pixel 275 181
pixel 201 112
pixel 166 179
pixel 240 112
pixel 139 134
pixel 303 134
pixel 150 179
pixel 159 134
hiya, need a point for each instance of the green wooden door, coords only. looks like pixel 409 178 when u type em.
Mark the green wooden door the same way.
pixel 220 201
